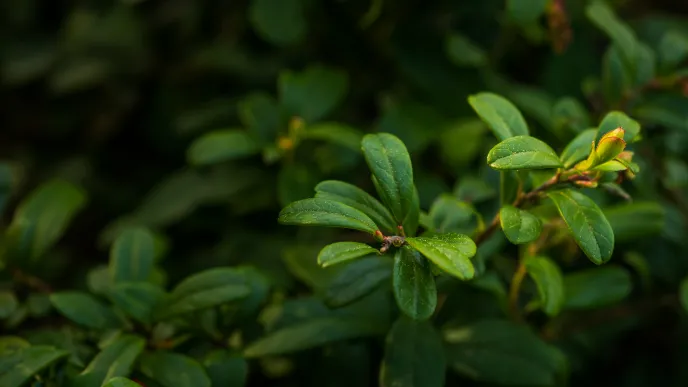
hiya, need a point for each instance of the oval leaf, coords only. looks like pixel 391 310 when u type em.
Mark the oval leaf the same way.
pixel 327 213
pixel 414 356
pixel 311 334
pixel 221 145
pixel 519 226
pixel 451 252
pixel 343 251
pixel 357 198
pixel 588 225
pixel 205 290
pixel 173 370
pixel 116 359
pixel 499 114
pixel 449 214
pixel 132 255
pixel 84 309
pixel 579 148
pixel 19 366
pixel 522 152
pixel 390 163
pixel 137 299
pixel 356 280
pixel 121 382
pixel 414 284
pixel 549 281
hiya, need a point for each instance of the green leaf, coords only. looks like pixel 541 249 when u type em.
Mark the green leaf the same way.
pixel 570 114
pixel 579 148
pixel 221 145
pixel 414 356
pixel 357 198
pixel 499 114
pixel 414 284
pixel 604 18
pixel 313 93
pixel 673 49
pixel 549 281
pixel 504 353
pixel 449 214
pixel 121 382
pixel 335 133
pixel 522 152
pixel 42 218
pixel 137 299
pixel 635 220
pixel 615 119
pixel 451 252
pixel 412 219
pixel 259 113
pixel 343 251
pixel 116 359
pixel 326 213
pixel 463 52
pixel 8 304
pixel 390 163
pixel 311 334
pixel 17 368
pixel 467 135
pixel 598 287
pixel 173 370
pixel 525 12
pixel 617 77
pixel 281 22
pixel 520 226
pixel 84 309
pixel 132 255
pixel 357 280
pixel 588 225
pixel 226 369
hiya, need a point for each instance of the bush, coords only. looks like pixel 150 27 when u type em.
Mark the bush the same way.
pixel 497 189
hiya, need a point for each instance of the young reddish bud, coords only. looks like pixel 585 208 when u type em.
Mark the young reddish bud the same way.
pixel 378 236
pixel 586 183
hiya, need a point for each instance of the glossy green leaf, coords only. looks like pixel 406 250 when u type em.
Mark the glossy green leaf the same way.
pixel 390 163
pixel 588 225
pixel 449 214
pixel 357 280
pixel 171 369
pixel 594 288
pixel 615 119
pixel 579 148
pixel 326 213
pixel 635 220
pixel 355 197
pixel 499 114
pixel 121 382
pixel 132 255
pixel 84 309
pixel 18 367
pixel 519 226
pixel 526 11
pixel 451 252
pixel 522 152
pixel 343 251
pixel 414 284
pixel 138 300
pixel 604 18
pixel 117 358
pixel 226 369
pixel 503 353
pixel 550 283
pixel 414 355
pixel 259 112
pixel 673 49
pixel 311 334
pixel 8 304
pixel 335 133
pixel 281 22
pixel 221 145
pixel 412 219
pixel 569 113
pixel 313 93
pixel 42 218
pixel 207 289
pixel 462 52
